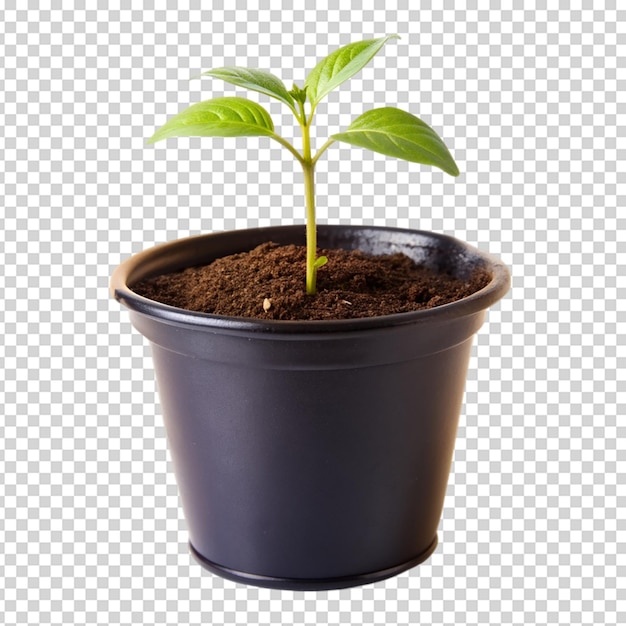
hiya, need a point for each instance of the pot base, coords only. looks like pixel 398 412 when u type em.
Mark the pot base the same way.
pixel 311 584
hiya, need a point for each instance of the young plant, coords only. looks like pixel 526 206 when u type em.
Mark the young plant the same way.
pixel 387 130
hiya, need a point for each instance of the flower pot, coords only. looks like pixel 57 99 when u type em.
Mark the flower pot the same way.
pixel 311 455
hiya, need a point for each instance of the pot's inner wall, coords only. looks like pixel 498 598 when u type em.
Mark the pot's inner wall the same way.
pixel 440 254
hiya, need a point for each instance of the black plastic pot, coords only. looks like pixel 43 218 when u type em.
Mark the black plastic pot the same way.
pixel 311 455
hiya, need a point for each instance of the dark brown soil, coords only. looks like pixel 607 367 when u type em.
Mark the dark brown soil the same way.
pixel 269 283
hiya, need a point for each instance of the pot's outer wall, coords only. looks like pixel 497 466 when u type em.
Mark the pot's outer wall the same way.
pixel 312 474
pixel 311 455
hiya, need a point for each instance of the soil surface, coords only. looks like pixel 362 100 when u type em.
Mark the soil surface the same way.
pixel 269 283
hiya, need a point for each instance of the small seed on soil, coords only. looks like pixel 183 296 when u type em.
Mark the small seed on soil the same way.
pixel 346 302
pixel 267 304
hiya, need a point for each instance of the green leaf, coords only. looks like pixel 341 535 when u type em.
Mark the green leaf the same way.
pixel 399 134
pixel 320 262
pixel 220 117
pixel 256 80
pixel 341 65
pixel 299 95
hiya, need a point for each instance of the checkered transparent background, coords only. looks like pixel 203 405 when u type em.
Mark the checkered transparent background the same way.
pixel 533 106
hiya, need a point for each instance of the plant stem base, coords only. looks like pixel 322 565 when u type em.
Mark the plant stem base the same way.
pixel 313 584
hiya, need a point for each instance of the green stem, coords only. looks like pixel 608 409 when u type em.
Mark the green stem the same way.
pixel 311 232
pixel 308 169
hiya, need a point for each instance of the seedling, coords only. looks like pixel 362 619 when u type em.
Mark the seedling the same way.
pixel 387 130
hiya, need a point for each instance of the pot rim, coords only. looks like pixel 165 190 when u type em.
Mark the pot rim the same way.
pixel 472 304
